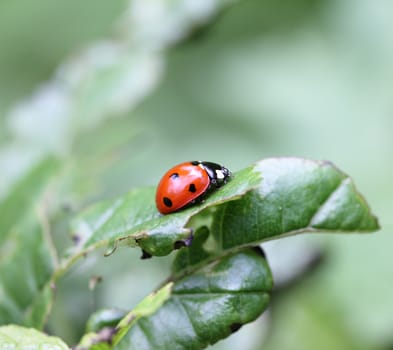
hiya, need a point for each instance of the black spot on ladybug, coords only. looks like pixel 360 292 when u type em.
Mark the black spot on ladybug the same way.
pixel 174 176
pixel 192 188
pixel 235 327
pixel 167 202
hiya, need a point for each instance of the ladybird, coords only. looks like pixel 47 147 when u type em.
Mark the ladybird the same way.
pixel 189 183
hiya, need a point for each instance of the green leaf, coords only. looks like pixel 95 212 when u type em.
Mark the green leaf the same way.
pixel 134 220
pixel 20 338
pixel 207 306
pixel 278 196
pixel 27 257
pixel 107 334
pixel 196 310
pixel 218 284
pixel 294 196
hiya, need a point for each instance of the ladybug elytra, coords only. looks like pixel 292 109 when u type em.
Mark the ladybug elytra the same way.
pixel 188 183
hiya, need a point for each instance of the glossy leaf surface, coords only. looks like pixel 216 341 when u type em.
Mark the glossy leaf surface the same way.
pixel 278 196
pixel 195 310
pixel 295 195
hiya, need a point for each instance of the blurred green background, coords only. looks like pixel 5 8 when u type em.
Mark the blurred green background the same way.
pixel 255 79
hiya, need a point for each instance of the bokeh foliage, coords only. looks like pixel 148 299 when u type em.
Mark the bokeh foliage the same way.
pixel 305 78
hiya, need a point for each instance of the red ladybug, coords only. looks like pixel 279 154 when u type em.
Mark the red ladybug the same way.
pixel 189 183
